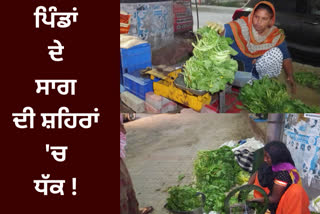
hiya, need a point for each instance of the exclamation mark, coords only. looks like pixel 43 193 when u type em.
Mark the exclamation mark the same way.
pixel 47 147
pixel 74 186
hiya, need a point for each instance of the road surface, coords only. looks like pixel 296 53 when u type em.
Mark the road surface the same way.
pixel 217 14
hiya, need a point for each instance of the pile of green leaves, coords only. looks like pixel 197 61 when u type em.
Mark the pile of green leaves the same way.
pixel 270 96
pixel 211 67
pixel 216 172
pixel 307 79
pixel 242 177
pixel 183 198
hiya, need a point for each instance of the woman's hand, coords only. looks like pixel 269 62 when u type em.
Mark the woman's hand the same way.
pixel 288 68
pixel 292 84
pixel 260 200
pixel 252 178
pixel 215 26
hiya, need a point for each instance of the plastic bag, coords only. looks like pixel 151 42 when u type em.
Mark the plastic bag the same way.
pixel 252 145
pixel 127 41
pixel 316 204
pixel 231 143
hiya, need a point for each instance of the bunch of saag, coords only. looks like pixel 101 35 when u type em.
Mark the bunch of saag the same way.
pixel 307 79
pixel 270 96
pixel 216 172
pixel 242 177
pixel 211 67
pixel 183 198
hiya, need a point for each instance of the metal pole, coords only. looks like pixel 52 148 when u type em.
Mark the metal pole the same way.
pixel 275 127
pixel 197 15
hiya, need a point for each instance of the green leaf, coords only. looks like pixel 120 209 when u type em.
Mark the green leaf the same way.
pixel 180 177
pixel 211 67
pixel 307 79
pixel 183 198
pixel 269 96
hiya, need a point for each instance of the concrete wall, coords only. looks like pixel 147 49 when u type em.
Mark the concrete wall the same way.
pixel 151 21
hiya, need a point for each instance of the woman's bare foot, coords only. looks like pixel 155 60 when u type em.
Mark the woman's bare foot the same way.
pixel 146 210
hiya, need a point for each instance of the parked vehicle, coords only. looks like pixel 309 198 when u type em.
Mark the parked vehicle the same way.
pixel 300 20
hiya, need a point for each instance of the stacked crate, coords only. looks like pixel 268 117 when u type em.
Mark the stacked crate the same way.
pixel 133 60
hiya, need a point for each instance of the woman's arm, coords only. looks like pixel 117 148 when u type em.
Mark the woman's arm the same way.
pixel 288 68
pixel 275 197
pixel 252 178
pixel 287 65
pixel 277 192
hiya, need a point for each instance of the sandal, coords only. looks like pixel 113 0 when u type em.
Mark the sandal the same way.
pixel 146 210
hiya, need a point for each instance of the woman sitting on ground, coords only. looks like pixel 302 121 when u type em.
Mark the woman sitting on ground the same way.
pixel 281 181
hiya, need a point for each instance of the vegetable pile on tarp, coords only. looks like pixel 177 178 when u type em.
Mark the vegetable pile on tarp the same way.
pixel 216 172
pixel 211 67
pixel 270 96
pixel 307 79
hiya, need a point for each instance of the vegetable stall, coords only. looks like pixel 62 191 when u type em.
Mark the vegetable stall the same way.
pixel 212 69
pixel 210 79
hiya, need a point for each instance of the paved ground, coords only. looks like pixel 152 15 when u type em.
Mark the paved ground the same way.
pixel 163 146
pixel 221 15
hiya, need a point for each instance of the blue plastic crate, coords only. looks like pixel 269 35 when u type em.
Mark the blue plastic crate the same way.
pixel 137 85
pixel 135 58
pixel 121 76
pixel 122 89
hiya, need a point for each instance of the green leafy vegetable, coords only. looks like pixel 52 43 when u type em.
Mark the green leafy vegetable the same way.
pixel 307 79
pixel 270 96
pixel 183 198
pixel 211 67
pixel 216 172
pixel 242 177
pixel 180 177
